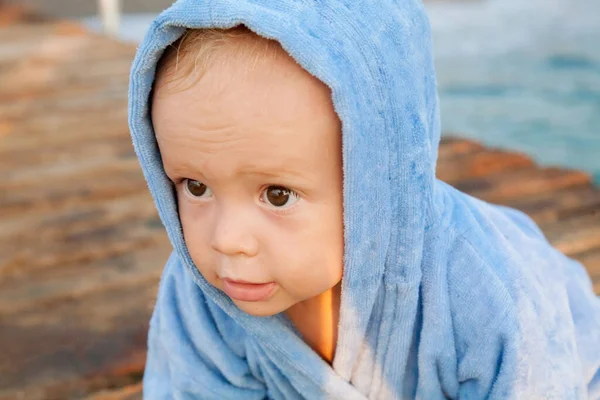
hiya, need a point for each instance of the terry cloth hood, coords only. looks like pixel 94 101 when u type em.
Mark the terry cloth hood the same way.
pixel 442 295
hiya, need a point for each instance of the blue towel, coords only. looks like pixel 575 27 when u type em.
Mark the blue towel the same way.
pixel 443 295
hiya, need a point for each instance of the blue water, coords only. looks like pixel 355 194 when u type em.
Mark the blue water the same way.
pixel 518 74
pixel 522 75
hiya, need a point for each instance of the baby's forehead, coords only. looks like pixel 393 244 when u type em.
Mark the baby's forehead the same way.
pixel 242 110
pixel 261 74
pixel 264 100
pixel 197 50
pixel 273 93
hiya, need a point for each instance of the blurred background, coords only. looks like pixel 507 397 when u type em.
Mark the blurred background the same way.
pixel 517 74
pixel 81 244
pixel 522 74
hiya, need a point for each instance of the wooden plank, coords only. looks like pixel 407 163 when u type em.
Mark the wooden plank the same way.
pixel 575 235
pixel 76 347
pixel 480 163
pixel 59 63
pixel 11 14
pixel 73 99
pixel 88 49
pixel 557 205
pixel 52 48
pixel 63 129
pixel 43 239
pixel 453 146
pixel 40 174
pixel 85 246
pixel 591 260
pixel 120 179
pixel 74 281
pixel 132 392
pixel 55 39
pixel 81 246
pixel 66 221
pixel 35 79
pixel 60 156
pixel 514 184
pixel 28 33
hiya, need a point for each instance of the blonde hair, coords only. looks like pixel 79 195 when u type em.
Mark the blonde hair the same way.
pixel 185 61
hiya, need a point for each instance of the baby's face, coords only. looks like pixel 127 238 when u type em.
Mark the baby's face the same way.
pixel 256 159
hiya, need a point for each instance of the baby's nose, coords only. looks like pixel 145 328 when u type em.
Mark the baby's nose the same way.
pixel 233 233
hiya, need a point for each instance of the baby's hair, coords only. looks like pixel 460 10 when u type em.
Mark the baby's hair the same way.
pixel 185 61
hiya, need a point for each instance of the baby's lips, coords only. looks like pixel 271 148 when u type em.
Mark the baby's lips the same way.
pixel 247 291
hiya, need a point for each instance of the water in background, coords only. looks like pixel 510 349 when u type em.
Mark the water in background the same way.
pixel 522 74
pixel 519 74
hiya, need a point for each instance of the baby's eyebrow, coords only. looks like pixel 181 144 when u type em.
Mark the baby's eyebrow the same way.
pixel 185 170
pixel 275 173
pixel 296 179
pixel 179 170
pixel 269 174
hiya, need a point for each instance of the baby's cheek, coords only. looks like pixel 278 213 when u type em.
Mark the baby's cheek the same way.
pixel 197 244
pixel 309 259
pixel 306 273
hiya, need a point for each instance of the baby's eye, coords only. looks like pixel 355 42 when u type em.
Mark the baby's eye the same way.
pixel 197 188
pixel 279 196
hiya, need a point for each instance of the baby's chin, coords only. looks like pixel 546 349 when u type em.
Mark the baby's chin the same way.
pixel 265 308
pixel 259 309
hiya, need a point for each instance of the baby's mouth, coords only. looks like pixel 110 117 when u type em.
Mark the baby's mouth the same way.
pixel 244 291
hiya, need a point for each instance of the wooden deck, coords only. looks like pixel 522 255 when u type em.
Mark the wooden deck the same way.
pixel 81 245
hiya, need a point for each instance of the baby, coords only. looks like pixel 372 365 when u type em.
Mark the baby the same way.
pixel 290 147
pixel 253 146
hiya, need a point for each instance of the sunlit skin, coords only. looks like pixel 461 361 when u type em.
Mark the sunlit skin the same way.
pixel 237 141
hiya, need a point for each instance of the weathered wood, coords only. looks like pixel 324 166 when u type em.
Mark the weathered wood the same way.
pixel 554 206
pixel 11 14
pixel 64 222
pixel 73 281
pixel 575 235
pixel 111 228
pixel 73 348
pixel 452 146
pixel 120 179
pixel 88 48
pixel 591 260
pixel 509 185
pixel 48 131
pixel 480 163
pixel 53 46
pixel 81 246
pixel 29 33
pixel 78 99
pixel 45 78
pixel 43 177
pixel 56 156
pixel 133 392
